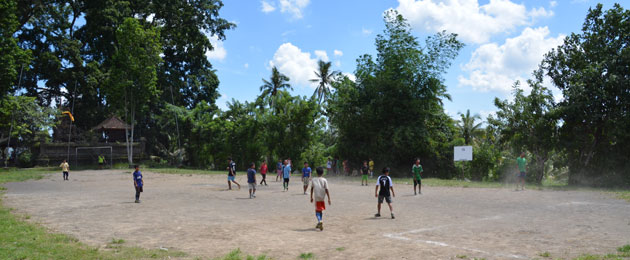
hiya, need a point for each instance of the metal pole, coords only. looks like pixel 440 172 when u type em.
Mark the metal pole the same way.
pixel 71 112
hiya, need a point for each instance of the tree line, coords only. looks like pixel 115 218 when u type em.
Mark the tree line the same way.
pixel 144 61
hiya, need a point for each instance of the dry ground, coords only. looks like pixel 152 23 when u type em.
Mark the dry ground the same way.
pixel 196 214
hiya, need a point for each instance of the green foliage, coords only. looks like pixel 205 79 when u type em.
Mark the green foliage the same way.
pixel 467 127
pixel 529 124
pixel 591 69
pixel 393 113
pixel 324 78
pixel 13 59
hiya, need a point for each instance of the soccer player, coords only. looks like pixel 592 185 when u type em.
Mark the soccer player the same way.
pixel 251 180
pixel 416 169
pixel 364 173
pixel 101 161
pixel 319 187
pixel 263 172
pixel 384 182
pixel 286 175
pixel 138 182
pixel 232 174
pixel 329 166
pixel 65 167
pixel 306 176
pixel 522 173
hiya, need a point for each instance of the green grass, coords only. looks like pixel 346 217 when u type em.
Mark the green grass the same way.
pixel 622 253
pixel 22 240
pixel 340 249
pixel 545 254
pixel 624 195
pixel 236 254
pixel 306 256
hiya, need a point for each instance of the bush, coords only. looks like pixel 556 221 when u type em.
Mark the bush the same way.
pixel 25 159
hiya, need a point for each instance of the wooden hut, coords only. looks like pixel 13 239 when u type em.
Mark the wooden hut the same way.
pixel 111 130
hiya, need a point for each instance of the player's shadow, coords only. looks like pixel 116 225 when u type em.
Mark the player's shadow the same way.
pixel 244 198
pixel 409 195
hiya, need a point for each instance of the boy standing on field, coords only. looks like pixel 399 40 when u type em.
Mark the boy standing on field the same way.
pixel 65 167
pixel 416 169
pixel 319 187
pixel 286 174
pixel 306 176
pixel 138 182
pixel 101 161
pixel 251 180
pixel 386 185
pixel 364 173
pixel 263 172
pixel 232 174
pixel 522 173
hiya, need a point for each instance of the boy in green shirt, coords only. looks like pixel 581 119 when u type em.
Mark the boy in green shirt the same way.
pixel 416 169
pixel 522 165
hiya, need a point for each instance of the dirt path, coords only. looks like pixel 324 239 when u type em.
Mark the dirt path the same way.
pixel 197 215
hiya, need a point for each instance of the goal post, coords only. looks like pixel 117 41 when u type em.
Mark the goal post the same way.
pixel 92 152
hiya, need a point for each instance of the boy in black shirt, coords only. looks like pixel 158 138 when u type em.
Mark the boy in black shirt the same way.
pixel 386 184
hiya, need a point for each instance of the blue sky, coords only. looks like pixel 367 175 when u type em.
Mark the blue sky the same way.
pixel 505 41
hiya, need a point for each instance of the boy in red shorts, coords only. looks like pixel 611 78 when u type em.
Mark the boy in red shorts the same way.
pixel 319 187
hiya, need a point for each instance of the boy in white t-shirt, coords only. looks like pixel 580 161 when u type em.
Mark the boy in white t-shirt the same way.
pixel 319 187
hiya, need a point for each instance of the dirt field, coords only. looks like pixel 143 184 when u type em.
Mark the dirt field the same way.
pixel 197 215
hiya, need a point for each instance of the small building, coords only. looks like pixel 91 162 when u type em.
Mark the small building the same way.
pixel 111 130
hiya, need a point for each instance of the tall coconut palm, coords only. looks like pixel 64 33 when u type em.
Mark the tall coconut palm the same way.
pixel 270 88
pixel 324 78
pixel 467 126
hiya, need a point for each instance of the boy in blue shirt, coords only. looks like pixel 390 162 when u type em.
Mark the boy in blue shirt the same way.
pixel 286 174
pixel 251 180
pixel 306 176
pixel 137 182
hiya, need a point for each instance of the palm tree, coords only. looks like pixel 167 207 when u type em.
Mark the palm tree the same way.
pixel 270 88
pixel 468 127
pixel 324 78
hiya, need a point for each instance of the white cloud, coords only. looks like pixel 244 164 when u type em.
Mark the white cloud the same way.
pixel 472 22
pixel 297 65
pixel 338 63
pixel 267 7
pixel 540 12
pixel 321 55
pixel 494 67
pixel 553 4
pixel 246 65
pixel 219 52
pixel 294 7
pixel 338 53
pixel 366 31
pixel 350 76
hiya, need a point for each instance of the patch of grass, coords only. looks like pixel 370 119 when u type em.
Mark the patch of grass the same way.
pixel 624 195
pixel 308 255
pixel 236 254
pixel 461 256
pixel 117 241
pixel 622 253
pixel 545 254
pixel 22 240
pixel 340 249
